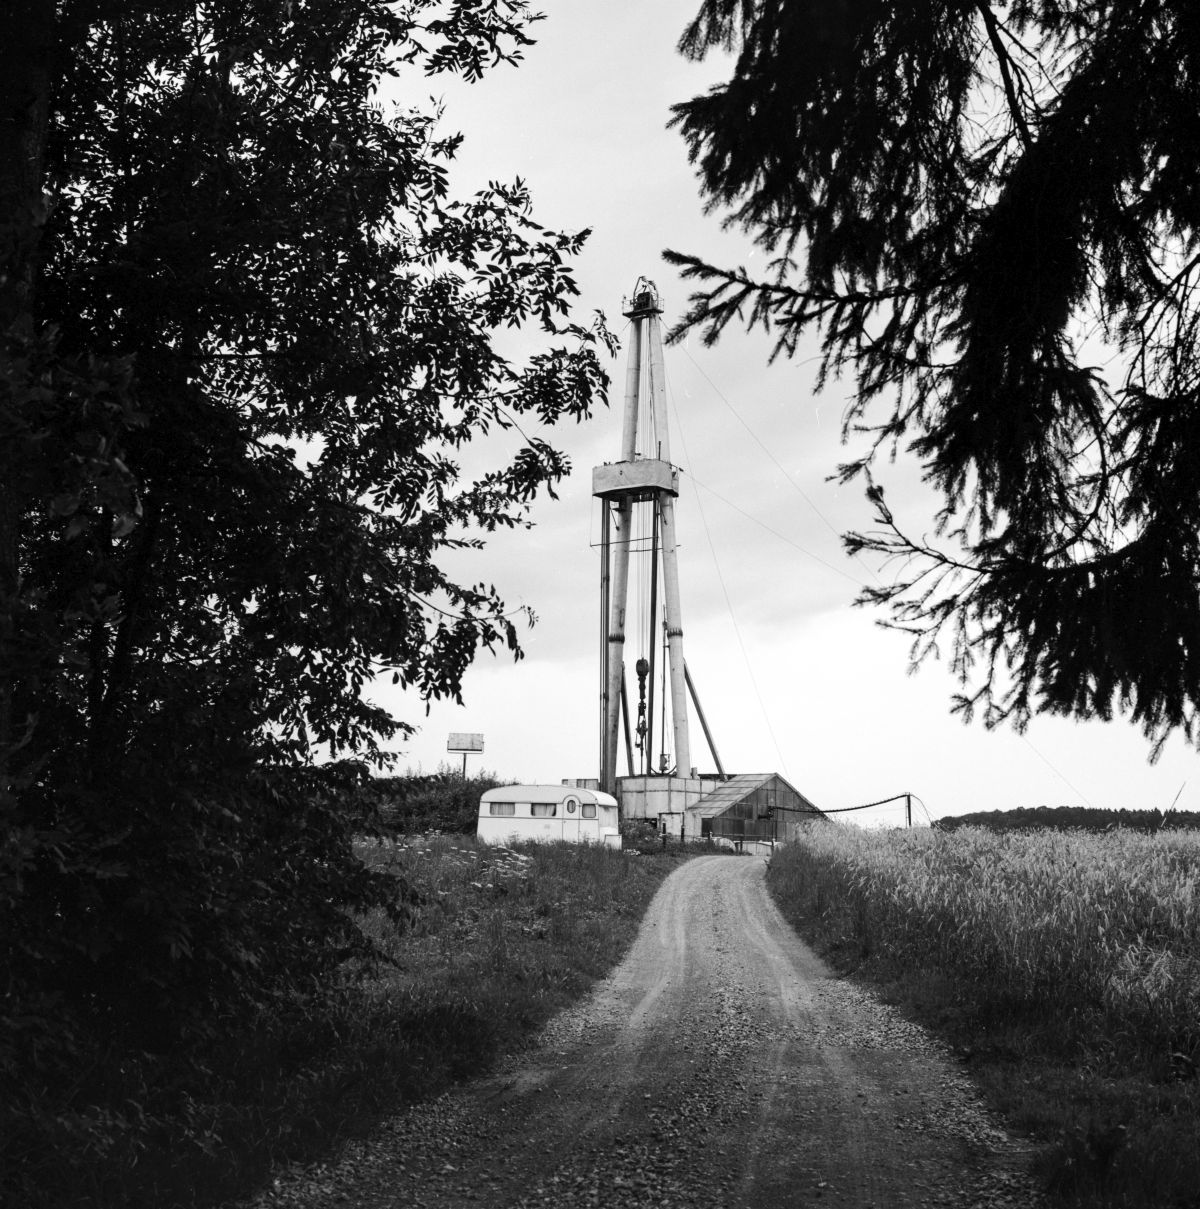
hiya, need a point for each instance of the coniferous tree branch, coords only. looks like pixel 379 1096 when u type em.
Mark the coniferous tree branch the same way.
pixel 972 207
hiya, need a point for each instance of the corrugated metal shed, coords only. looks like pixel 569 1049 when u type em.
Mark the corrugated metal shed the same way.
pixel 761 805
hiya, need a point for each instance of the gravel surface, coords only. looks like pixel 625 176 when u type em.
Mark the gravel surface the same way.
pixel 720 1065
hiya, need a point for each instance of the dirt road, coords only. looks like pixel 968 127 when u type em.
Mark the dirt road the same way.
pixel 720 1065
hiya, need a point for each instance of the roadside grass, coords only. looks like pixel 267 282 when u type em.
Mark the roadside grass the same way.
pixel 1063 967
pixel 497 940
pixel 505 937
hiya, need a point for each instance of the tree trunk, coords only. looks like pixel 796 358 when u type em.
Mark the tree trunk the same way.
pixel 26 45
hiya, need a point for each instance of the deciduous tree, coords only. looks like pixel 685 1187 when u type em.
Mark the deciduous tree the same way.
pixel 988 213
pixel 245 334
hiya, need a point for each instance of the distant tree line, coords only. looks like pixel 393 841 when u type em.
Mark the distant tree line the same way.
pixel 1071 818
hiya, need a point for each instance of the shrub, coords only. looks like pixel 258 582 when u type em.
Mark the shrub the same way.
pixel 441 801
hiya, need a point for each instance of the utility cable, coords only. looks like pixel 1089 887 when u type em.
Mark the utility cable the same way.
pixel 898 797
pixel 1054 770
pixel 775 533
pixel 725 591
pixel 779 465
pixel 925 810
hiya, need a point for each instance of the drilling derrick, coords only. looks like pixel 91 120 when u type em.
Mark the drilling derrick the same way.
pixel 643 479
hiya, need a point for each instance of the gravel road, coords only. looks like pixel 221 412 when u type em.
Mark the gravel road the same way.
pixel 720 1065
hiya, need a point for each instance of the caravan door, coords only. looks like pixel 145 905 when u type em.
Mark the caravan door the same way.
pixel 570 822
pixel 589 822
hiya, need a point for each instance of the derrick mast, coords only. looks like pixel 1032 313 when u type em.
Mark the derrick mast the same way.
pixel 642 482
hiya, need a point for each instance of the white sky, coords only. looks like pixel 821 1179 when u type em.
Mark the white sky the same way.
pixel 792 678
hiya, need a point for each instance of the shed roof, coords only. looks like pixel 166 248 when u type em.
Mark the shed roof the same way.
pixel 729 793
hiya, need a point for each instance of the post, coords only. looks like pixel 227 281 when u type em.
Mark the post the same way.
pixel 615 653
pixel 712 747
pixel 908 809
pixel 605 529
pixel 616 630
pixel 671 611
pixel 648 751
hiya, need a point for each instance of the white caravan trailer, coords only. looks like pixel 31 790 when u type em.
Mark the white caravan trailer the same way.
pixel 548 812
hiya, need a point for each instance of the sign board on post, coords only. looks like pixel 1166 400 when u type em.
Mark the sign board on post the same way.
pixel 464 742
pixel 460 741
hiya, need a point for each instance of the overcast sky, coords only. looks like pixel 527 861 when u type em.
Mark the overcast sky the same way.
pixel 793 678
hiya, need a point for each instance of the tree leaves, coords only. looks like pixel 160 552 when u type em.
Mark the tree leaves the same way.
pixel 258 331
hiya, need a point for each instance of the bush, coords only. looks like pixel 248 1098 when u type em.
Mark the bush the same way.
pixel 131 953
pixel 441 801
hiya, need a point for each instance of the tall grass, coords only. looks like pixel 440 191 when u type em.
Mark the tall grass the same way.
pixel 1106 925
pixel 1066 963
pixel 503 938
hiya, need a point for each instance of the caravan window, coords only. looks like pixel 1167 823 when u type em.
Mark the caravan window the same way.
pixel 544 810
pixel 507 809
pixel 588 810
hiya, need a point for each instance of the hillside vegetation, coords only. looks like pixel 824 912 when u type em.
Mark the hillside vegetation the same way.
pixel 490 942
pixel 1065 966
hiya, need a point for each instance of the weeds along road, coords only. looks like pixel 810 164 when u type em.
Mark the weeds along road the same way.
pixel 719 1065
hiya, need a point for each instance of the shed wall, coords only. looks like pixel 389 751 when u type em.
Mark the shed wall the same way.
pixel 772 810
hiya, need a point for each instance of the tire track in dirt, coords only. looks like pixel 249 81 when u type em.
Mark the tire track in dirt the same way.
pixel 719 1065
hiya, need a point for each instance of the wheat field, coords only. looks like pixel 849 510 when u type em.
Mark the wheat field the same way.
pixel 1104 925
